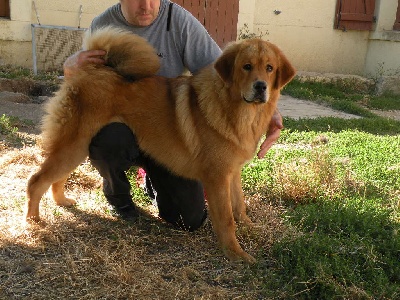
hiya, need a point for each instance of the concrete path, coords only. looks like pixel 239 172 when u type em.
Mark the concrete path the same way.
pixel 296 109
pixel 24 111
pixel 288 106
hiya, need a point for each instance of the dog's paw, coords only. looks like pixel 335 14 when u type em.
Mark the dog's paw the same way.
pixel 245 221
pixel 33 219
pixel 248 258
pixel 240 256
pixel 65 201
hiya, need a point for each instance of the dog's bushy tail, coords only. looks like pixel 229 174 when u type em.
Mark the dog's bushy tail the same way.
pixel 129 54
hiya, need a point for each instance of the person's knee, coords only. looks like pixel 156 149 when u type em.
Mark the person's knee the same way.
pixel 187 223
pixel 195 222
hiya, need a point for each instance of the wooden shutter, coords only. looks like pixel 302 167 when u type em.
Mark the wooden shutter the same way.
pixel 5 8
pixel 396 25
pixel 354 14
pixel 218 17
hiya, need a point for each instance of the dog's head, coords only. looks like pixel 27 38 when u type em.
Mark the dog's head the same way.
pixel 256 68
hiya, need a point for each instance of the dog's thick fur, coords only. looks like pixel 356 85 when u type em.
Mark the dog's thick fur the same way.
pixel 203 127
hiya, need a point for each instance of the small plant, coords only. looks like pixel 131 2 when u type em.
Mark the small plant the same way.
pixel 7 125
pixel 381 70
pixel 244 33
pixel 9 130
pixel 13 72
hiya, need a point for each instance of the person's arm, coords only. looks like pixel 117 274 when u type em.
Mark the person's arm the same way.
pixel 73 63
pixel 273 133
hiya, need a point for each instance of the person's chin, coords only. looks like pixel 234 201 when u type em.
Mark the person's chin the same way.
pixel 145 20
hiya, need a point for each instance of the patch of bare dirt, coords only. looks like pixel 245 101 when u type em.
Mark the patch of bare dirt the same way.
pixel 23 98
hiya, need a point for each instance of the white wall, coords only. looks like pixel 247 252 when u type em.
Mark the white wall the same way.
pixel 304 31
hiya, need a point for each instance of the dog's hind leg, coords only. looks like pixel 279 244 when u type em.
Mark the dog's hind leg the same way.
pixel 59 193
pixel 54 170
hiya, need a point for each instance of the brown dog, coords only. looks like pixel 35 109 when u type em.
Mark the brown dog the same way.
pixel 203 127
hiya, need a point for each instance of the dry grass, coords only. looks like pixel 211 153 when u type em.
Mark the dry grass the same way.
pixel 314 177
pixel 85 252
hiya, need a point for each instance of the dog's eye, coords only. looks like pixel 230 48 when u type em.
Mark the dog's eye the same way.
pixel 247 67
pixel 270 68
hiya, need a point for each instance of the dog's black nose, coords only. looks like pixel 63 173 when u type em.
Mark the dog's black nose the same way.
pixel 260 86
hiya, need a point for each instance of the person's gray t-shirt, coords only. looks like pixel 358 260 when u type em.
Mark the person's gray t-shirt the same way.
pixel 187 44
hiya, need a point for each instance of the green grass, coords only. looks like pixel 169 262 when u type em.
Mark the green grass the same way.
pixel 375 125
pixel 342 213
pixel 12 72
pixel 384 102
pixel 8 125
pixel 347 249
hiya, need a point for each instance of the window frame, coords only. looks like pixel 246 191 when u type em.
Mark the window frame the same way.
pixel 396 25
pixel 5 9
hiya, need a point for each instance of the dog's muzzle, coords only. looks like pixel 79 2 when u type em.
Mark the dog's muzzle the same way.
pixel 259 93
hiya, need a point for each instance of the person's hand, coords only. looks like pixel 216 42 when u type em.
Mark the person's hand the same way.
pixel 80 58
pixel 273 133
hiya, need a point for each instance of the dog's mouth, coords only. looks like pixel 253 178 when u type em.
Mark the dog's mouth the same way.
pixel 256 98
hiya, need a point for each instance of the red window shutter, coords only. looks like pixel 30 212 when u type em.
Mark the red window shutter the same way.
pixel 4 8
pixel 396 25
pixel 354 14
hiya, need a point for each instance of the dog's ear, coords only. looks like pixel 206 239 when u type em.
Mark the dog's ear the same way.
pixel 225 63
pixel 285 72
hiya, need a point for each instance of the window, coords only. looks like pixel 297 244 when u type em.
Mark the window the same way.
pixel 396 25
pixel 4 8
pixel 354 14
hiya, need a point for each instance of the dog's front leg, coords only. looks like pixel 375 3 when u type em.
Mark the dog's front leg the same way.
pixel 237 198
pixel 220 209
